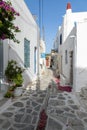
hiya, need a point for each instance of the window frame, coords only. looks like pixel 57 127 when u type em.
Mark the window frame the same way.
pixel 60 39
pixel 66 56
pixel 26 53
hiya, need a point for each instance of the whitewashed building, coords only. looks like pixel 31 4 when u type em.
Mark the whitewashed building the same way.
pixel 56 42
pixel 25 53
pixel 42 56
pixel 72 46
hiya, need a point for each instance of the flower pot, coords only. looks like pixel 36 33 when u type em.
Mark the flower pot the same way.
pixel 18 91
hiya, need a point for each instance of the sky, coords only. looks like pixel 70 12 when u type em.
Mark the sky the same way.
pixel 53 12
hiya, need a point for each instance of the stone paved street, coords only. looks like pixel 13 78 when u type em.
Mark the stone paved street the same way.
pixel 65 113
pixel 63 109
pixel 23 113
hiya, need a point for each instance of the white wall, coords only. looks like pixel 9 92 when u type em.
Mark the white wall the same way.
pixel 81 64
pixel 29 30
pixel 80 50
pixel 74 38
pixel 68 45
pixel 67 30
pixel 42 60
pixel 5 54
pixel 56 42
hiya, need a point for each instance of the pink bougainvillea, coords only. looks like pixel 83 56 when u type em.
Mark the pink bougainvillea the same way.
pixel 7 15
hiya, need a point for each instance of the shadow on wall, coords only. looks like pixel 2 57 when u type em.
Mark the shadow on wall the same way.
pixel 55 73
pixel 80 79
pixel 27 75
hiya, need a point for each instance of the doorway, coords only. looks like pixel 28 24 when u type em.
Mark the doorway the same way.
pixel 71 67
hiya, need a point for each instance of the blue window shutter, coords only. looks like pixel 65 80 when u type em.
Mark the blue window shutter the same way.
pixel 26 53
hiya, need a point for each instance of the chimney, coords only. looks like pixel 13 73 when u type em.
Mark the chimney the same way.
pixel 68 6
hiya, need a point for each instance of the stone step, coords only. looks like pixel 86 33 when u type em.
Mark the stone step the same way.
pixel 4 104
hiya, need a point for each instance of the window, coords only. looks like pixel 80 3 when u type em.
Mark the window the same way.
pixel 35 54
pixel 66 57
pixel 26 53
pixel 60 39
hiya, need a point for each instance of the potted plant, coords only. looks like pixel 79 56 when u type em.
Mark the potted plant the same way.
pixel 9 94
pixel 12 70
pixel 14 75
pixel 18 81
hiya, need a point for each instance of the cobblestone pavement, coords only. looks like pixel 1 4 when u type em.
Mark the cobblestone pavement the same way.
pixel 63 109
pixel 23 112
pixel 65 112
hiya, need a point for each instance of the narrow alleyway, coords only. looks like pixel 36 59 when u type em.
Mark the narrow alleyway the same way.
pixel 22 113
pixel 63 109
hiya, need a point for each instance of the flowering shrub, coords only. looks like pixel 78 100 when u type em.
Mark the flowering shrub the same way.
pixel 7 16
pixel 13 71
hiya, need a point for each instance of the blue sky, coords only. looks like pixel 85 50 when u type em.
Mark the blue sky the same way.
pixel 53 10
